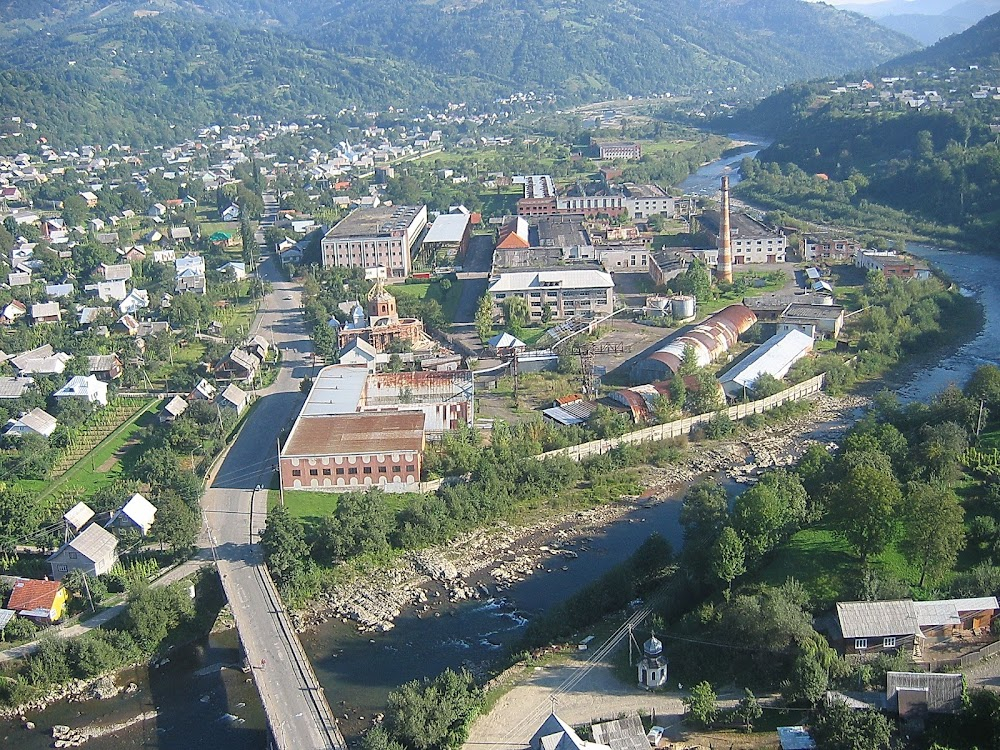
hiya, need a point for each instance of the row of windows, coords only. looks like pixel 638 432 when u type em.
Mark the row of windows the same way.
pixel 860 644
pixel 354 470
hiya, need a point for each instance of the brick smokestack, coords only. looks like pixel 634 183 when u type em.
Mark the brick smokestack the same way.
pixel 724 272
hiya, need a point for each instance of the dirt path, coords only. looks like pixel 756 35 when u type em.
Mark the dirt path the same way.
pixel 599 695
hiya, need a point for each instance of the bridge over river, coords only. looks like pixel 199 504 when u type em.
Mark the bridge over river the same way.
pixel 235 509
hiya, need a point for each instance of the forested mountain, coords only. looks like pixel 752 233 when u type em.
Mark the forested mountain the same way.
pixel 130 69
pixel 923 139
pixel 927 21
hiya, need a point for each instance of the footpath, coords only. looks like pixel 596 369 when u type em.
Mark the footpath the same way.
pixel 73 629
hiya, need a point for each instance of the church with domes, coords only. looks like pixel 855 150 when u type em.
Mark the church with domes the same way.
pixel 653 666
pixel 381 325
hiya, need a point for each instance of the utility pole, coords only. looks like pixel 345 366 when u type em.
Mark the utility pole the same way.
pixel 281 485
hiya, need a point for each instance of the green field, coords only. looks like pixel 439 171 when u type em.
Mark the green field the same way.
pixel 100 467
pixel 826 565
pixel 432 290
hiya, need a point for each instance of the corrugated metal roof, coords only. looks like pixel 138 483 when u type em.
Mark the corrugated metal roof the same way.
pixel 94 543
pixel 139 510
pixel 946 611
pixel 350 434
pixel 877 619
pixel 78 515
pixel 943 691
pixel 774 357
pixel 6 615
pixel 795 738
pixel 575 413
pixel 621 734
pixel 448 228
pixel 337 390
pixel 14 387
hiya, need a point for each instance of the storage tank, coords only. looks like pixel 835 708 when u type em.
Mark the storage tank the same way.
pixel 683 306
pixel 657 303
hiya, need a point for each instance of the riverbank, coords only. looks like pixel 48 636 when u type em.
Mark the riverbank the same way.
pixel 486 563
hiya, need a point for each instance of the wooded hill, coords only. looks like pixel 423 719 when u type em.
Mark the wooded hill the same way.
pixel 120 70
pixel 939 161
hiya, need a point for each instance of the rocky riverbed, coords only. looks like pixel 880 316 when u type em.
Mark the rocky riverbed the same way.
pixel 484 563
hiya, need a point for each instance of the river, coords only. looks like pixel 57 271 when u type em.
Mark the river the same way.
pixel 201 705
pixel 706 181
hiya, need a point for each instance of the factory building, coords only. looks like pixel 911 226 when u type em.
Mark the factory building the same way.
pixel 774 357
pixel 359 429
pixel 710 339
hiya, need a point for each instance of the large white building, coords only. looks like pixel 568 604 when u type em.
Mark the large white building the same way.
pixel 373 237
pixel 774 357
pixel 569 292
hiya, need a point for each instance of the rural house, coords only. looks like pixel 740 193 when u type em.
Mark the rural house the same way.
pixel 41 601
pixel 94 551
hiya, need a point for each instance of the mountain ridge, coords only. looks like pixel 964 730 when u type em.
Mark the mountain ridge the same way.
pixel 416 53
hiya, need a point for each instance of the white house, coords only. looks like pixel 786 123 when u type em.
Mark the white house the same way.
pixel 86 387
pixel 137 513
pixel 35 422
pixel 136 300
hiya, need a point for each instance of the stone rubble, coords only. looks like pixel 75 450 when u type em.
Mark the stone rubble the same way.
pixel 488 561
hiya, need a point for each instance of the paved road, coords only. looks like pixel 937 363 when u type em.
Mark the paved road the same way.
pixel 235 512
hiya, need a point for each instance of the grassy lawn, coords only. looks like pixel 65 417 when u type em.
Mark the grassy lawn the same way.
pixel 827 566
pixel 708 307
pixel 817 558
pixel 92 472
pixel 432 290
pixel 311 507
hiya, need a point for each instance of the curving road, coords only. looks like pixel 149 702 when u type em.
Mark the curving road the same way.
pixel 235 511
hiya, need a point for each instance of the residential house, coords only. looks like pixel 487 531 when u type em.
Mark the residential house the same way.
pixel 42 360
pixel 174 408
pixel 233 271
pixel 158 210
pixel 870 628
pixel 204 391
pixel 556 734
pixel 258 346
pixel 59 290
pixel 78 516
pixel 167 255
pixel 115 271
pixel 90 198
pixel 87 316
pixel 106 291
pixel 128 324
pixel 34 422
pixel 179 234
pixel 138 513
pixel 41 601
pixel 86 387
pixel 19 278
pixel 189 274
pixel 12 311
pixel 45 312
pixel 230 213
pixel 94 551
pixel 134 254
pixel 233 399
pixel 11 388
pixel 237 365
pixel 106 367
pixel 137 299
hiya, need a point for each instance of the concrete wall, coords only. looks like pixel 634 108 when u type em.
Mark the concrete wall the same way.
pixel 685 426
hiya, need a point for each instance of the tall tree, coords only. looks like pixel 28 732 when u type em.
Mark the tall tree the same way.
pixel 484 318
pixel 864 504
pixel 729 561
pixel 933 528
